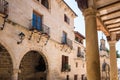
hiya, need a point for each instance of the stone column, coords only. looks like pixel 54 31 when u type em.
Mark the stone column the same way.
pixel 113 61
pixel 92 53
pixel 15 74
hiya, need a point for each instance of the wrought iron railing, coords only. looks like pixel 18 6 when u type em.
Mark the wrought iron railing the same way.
pixel 78 40
pixel 67 41
pixel 44 30
pixel 80 54
pixel 4 7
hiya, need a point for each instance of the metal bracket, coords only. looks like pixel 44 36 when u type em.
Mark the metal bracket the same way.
pixel 47 40
pixel 3 25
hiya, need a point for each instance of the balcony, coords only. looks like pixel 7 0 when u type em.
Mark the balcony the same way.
pixel 67 42
pixel 78 40
pixel 44 29
pixel 80 55
pixel 3 8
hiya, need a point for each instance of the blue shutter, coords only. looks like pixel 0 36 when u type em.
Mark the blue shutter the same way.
pixel 34 20
pixel 64 37
pixel 39 23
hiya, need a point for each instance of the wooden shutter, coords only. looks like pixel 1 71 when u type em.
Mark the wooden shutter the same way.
pixel 34 24
pixel 63 62
pixel 39 23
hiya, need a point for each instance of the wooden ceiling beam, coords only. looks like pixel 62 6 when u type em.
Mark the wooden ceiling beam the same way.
pixel 109 13
pixel 114 27
pixel 115 30
pixel 112 23
pixel 117 17
pixel 104 6
pixel 111 6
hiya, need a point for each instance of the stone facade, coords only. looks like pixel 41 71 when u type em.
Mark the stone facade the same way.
pixel 104 61
pixel 22 61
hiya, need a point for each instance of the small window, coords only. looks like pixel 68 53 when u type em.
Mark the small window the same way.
pixel 82 77
pixel 64 38
pixel 75 77
pixel 76 64
pixel 37 21
pixel 79 52
pixel 45 3
pixel 67 77
pixel 66 19
pixel 65 65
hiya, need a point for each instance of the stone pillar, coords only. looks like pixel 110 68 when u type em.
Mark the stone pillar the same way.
pixel 92 52
pixel 113 61
pixel 15 74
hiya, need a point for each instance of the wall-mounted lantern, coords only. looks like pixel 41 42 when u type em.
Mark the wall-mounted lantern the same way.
pixel 21 37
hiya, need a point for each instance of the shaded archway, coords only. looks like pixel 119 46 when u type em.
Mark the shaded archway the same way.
pixel 33 67
pixel 6 66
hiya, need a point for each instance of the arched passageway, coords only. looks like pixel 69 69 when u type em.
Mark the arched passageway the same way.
pixel 33 67
pixel 6 66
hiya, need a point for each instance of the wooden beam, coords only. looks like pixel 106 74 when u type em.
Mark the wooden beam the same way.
pixel 114 27
pixel 112 23
pixel 115 30
pixel 117 17
pixel 111 6
pixel 109 13
pixel 104 6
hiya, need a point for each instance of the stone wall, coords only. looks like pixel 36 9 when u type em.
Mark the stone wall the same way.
pixel 6 66
pixel 19 20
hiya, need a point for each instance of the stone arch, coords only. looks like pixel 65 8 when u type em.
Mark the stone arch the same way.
pixel 6 64
pixel 33 66
pixel 9 51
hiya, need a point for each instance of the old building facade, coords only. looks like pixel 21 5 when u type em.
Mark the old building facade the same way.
pixel 37 41
pixel 104 61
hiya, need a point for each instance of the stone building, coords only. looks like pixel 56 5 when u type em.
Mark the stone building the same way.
pixel 38 42
pixel 104 61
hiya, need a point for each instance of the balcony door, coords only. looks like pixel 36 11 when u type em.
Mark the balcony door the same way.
pixel 37 22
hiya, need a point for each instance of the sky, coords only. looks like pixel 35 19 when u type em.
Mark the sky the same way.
pixel 80 25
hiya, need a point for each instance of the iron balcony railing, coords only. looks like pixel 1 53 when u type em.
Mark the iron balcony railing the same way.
pixel 44 30
pixel 78 40
pixel 4 7
pixel 67 41
pixel 80 54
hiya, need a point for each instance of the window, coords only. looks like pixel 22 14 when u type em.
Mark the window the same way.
pixel 64 38
pixel 75 77
pixel 65 65
pixel 45 3
pixel 67 77
pixel 76 64
pixel 79 52
pixel 37 22
pixel 82 77
pixel 66 19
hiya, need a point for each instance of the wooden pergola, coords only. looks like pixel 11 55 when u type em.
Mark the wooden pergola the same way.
pixel 103 15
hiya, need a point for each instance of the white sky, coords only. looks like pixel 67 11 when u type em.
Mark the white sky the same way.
pixel 80 25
